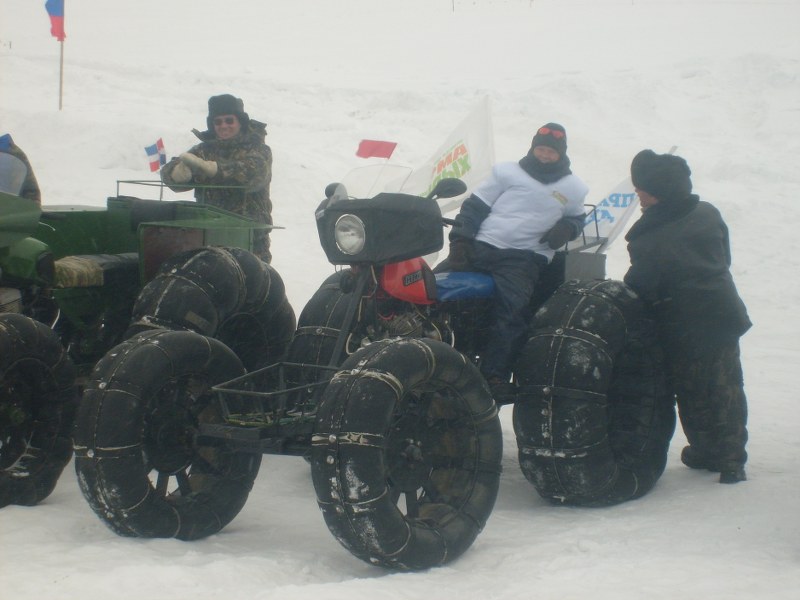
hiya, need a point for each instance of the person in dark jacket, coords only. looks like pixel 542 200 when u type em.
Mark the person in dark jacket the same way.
pixel 510 227
pixel 232 158
pixel 30 187
pixel 680 267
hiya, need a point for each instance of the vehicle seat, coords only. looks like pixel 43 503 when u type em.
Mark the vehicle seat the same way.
pixel 95 270
pixel 462 285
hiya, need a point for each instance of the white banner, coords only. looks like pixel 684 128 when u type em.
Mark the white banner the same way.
pixel 611 214
pixel 467 153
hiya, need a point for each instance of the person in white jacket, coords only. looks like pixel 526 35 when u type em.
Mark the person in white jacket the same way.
pixel 510 227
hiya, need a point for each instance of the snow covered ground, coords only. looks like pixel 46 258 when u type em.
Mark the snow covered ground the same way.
pixel 719 79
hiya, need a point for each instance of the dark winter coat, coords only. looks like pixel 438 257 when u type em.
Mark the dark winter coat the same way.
pixel 30 187
pixel 680 266
pixel 244 166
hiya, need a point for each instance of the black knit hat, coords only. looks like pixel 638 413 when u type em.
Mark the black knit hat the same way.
pixel 225 104
pixel 553 136
pixel 665 176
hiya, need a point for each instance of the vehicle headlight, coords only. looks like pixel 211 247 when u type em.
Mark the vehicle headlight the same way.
pixel 350 234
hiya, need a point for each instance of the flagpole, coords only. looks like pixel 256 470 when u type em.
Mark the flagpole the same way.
pixel 61 76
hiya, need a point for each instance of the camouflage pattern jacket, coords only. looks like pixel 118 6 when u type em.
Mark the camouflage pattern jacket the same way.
pixel 244 172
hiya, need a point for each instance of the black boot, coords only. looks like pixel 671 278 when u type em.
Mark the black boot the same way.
pixel 695 460
pixel 732 473
pixel 503 391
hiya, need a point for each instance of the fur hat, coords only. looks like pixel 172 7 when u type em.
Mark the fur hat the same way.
pixel 553 136
pixel 665 176
pixel 225 104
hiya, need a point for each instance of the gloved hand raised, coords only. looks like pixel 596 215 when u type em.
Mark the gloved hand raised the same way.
pixel 460 254
pixel 559 235
pixel 181 173
pixel 198 165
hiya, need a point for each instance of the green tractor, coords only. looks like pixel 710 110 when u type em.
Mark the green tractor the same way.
pixel 75 281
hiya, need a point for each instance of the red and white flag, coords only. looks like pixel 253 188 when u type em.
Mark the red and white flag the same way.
pixel 156 155
pixel 375 148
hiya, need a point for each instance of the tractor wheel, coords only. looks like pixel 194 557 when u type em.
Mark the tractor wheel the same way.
pixel 261 330
pixel 593 420
pixel 320 322
pixel 136 455
pixel 224 293
pixel 406 455
pixel 318 327
pixel 38 398
pixel 194 290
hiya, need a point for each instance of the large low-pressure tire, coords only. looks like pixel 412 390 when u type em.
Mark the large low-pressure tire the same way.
pixel 135 438
pixel 320 322
pixel 406 456
pixel 261 330
pixel 594 420
pixel 224 293
pixel 318 328
pixel 38 398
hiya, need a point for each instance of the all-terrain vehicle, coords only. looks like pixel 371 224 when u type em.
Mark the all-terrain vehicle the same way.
pixel 381 392
pixel 70 279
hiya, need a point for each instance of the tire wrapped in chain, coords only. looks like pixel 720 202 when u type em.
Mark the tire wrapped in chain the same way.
pixel 225 293
pixel 38 399
pixel 594 420
pixel 406 455
pixel 320 322
pixel 136 456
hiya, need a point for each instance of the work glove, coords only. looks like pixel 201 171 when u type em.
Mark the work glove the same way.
pixel 198 165
pixel 460 257
pixel 181 173
pixel 558 235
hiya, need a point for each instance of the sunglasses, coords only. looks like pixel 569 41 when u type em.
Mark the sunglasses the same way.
pixel 226 120
pixel 556 133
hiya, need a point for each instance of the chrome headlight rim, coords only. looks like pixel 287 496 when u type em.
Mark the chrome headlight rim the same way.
pixel 350 234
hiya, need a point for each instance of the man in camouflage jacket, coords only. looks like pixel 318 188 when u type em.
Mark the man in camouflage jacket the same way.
pixel 230 168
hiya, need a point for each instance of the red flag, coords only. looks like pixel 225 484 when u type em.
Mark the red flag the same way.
pixel 55 8
pixel 369 148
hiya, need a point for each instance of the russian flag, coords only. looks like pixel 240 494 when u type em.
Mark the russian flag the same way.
pixel 55 8
pixel 156 155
